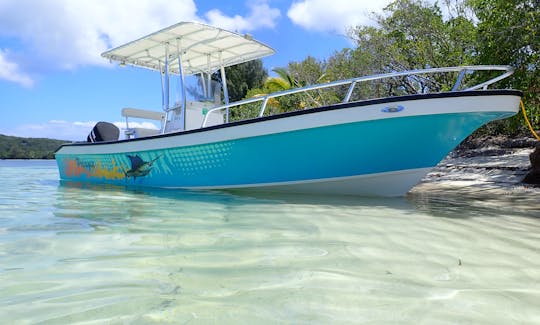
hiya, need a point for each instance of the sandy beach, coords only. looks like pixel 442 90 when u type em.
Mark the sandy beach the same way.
pixel 489 169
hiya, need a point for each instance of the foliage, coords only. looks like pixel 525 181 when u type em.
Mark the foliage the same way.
pixel 27 148
pixel 242 77
pixel 296 75
pixel 410 35
pixel 311 72
pixel 414 34
pixel 284 81
pixel 273 105
pixel 509 32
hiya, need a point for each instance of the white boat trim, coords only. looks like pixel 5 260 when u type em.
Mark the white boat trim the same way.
pixel 389 184
pixel 416 105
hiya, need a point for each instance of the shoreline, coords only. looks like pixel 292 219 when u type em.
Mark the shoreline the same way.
pixel 483 166
pixel 492 145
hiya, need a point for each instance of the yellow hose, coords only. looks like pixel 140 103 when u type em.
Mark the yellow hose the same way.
pixel 527 120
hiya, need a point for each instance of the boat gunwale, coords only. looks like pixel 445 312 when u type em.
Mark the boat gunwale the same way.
pixel 361 103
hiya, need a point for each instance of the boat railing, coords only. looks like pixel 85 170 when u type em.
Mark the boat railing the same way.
pixel 461 70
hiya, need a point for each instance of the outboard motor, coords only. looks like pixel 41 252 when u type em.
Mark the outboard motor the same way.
pixel 103 131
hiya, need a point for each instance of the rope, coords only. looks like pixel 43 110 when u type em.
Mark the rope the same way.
pixel 527 120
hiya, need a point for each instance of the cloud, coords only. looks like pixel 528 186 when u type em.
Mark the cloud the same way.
pixel 10 71
pixel 66 34
pixel 261 15
pixel 335 16
pixel 67 130
pixel 53 35
pixel 54 129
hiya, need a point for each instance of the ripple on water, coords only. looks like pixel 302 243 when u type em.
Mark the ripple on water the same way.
pixel 115 255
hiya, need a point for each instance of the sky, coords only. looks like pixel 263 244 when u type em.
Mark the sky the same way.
pixel 55 84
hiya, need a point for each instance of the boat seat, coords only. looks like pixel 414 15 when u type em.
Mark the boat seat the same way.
pixel 143 113
pixel 138 132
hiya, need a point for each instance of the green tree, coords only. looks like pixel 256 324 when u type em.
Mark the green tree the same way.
pixel 242 77
pixel 414 34
pixel 27 148
pixel 350 63
pixel 310 71
pixel 282 82
pixel 509 33
pixel 296 75
pixel 411 34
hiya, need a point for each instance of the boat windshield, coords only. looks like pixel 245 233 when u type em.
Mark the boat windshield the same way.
pixel 199 89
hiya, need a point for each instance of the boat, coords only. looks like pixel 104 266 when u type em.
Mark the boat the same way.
pixel 374 146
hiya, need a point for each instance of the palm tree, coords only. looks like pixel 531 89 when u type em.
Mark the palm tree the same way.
pixel 286 81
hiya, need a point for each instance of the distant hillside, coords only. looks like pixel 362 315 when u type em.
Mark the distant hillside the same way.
pixel 28 148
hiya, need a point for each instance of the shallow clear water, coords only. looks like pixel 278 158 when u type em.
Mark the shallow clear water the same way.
pixel 94 255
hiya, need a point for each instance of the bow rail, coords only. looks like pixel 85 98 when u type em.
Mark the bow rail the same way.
pixel 461 70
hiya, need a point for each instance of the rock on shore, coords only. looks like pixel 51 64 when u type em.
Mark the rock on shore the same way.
pixel 492 165
pixel 533 176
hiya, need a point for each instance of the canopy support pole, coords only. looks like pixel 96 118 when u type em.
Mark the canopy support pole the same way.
pixel 208 77
pixel 165 87
pixel 181 79
pixel 225 89
pixel 161 76
pixel 166 76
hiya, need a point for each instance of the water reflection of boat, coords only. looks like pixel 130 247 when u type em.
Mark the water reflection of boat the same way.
pixel 377 146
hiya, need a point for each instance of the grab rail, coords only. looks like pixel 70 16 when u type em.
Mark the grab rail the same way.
pixel 462 70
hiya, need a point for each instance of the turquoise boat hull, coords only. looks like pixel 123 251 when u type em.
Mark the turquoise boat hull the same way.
pixel 381 156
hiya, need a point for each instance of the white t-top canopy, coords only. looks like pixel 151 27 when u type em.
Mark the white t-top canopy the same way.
pixel 203 48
